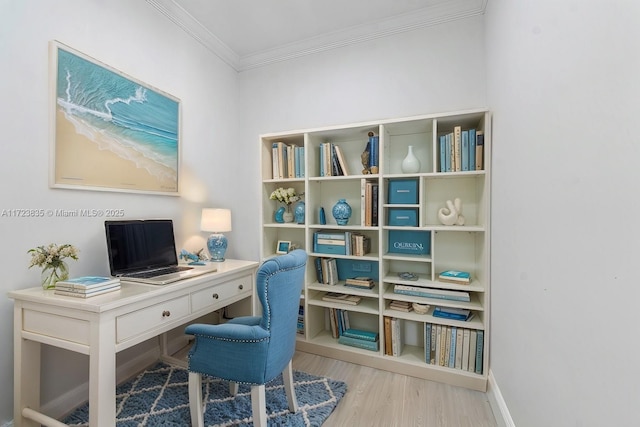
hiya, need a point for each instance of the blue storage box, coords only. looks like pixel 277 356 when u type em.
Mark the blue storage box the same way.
pixel 402 217
pixel 403 191
pixel 410 242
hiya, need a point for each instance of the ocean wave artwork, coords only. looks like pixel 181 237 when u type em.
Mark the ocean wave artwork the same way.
pixel 111 130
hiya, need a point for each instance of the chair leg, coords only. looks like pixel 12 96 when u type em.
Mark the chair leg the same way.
pixel 287 379
pixel 233 388
pixel 258 406
pixel 195 399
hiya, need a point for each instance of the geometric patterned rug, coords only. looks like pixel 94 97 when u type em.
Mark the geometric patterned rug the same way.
pixel 159 396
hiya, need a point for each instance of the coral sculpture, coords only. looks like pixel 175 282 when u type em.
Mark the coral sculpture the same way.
pixel 452 214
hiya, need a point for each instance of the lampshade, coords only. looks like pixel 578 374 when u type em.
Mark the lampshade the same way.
pixel 215 220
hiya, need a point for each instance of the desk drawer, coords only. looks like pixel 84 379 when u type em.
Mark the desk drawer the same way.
pixel 220 294
pixel 132 324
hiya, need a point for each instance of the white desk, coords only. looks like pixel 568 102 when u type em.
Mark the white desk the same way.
pixel 103 325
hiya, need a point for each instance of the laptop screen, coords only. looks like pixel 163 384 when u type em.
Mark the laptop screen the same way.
pixel 137 245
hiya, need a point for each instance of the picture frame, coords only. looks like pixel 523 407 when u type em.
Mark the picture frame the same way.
pixel 283 247
pixel 108 130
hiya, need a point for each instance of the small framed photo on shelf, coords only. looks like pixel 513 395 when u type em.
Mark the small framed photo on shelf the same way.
pixel 283 247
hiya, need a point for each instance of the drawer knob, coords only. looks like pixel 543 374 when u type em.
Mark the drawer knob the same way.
pixel 215 296
pixel 241 287
pixel 166 313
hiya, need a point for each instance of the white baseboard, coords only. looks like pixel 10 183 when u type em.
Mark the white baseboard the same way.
pixel 497 403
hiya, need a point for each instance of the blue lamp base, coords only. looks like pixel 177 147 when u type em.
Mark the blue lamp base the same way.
pixel 217 246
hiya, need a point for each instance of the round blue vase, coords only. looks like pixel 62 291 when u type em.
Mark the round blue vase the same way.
pixel 341 212
pixel 298 212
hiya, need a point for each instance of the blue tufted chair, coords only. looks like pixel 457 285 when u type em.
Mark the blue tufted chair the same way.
pixel 252 349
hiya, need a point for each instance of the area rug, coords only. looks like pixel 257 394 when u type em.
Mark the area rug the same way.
pixel 160 397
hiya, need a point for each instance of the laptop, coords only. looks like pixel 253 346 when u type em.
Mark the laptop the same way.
pixel 144 251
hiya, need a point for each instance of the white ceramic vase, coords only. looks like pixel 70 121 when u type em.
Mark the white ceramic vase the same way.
pixel 410 164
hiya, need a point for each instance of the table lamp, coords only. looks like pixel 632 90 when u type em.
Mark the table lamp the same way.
pixel 217 221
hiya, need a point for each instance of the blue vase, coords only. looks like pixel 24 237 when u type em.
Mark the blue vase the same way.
pixel 341 212
pixel 298 212
pixel 279 217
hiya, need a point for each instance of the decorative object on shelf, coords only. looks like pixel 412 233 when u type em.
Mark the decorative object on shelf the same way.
pixel 217 221
pixel 420 308
pixel 410 164
pixel 298 212
pixel 369 156
pixel 405 275
pixel 322 217
pixel 193 258
pixel 283 247
pixel 286 196
pixel 341 212
pixel 452 214
pixel 279 215
pixel 51 259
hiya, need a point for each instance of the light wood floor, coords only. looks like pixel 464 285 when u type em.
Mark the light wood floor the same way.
pixel 380 398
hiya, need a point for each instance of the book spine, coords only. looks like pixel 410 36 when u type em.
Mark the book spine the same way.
pixel 443 154
pixel 452 316
pixel 479 150
pixel 457 161
pixel 387 336
pixel 432 357
pixel 464 151
pixel 466 336
pixel 473 335
pixel 472 149
pixel 427 342
pixel 454 346
pixel 459 344
pixel 374 205
pixel 479 351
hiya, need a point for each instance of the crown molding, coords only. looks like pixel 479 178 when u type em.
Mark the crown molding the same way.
pixel 195 29
pixel 429 16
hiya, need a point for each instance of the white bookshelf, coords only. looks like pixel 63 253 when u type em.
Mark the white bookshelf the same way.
pixel 465 247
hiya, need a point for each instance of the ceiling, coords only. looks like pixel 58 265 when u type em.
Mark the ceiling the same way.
pixel 252 33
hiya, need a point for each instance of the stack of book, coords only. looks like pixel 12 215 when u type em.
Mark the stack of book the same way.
pixel 326 271
pixel 359 338
pixel 455 276
pixel 461 150
pixel 288 161
pixel 300 328
pixel 453 313
pixel 342 298
pixel 420 291
pixel 401 306
pixel 332 160
pixel 360 282
pixel 87 286
pixel 393 342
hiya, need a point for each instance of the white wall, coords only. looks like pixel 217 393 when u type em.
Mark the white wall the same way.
pixel 430 70
pixel 135 38
pixel 563 86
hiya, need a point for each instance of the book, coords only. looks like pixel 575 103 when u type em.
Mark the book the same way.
pixel 341 161
pixel 87 282
pixel 466 336
pixel 432 356
pixel 401 306
pixel 360 280
pixel 397 341
pixel 355 342
pixel 479 150
pixel 459 344
pixel 452 313
pixel 342 298
pixel 361 334
pixel 432 293
pixel 479 351
pixel 387 336
pixel 427 342
pixel 452 347
pixel 464 150
pixel 455 276
pixel 473 336
pixel 456 161
pixel 78 294
pixel 472 149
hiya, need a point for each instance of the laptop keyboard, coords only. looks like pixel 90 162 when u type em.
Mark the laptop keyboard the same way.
pixel 159 272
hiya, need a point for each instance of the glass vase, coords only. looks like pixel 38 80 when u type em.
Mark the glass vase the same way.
pixel 298 212
pixel 288 215
pixel 52 275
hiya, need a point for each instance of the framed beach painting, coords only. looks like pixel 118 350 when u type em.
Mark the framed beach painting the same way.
pixel 110 131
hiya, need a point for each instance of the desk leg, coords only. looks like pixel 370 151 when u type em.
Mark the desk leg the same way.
pixel 26 367
pixel 102 374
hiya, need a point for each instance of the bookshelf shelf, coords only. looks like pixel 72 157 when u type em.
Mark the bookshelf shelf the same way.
pixel 321 155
